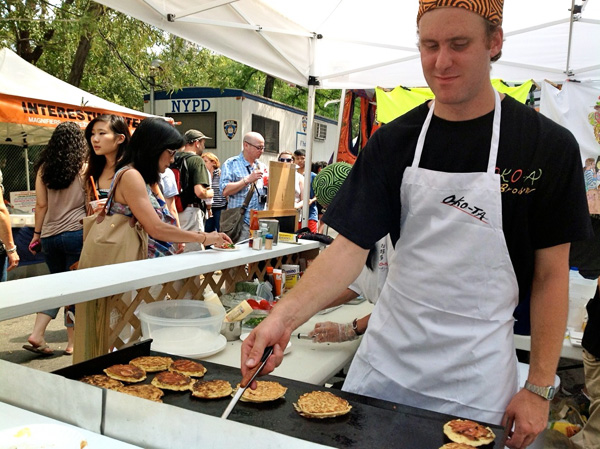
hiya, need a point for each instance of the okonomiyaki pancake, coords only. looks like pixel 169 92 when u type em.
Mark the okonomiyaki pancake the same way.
pixel 265 391
pixel 211 389
pixel 126 373
pixel 468 432
pixel 152 364
pixel 170 380
pixel 321 404
pixel 143 391
pixel 103 381
pixel 188 367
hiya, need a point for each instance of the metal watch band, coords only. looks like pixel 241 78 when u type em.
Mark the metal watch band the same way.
pixel 545 392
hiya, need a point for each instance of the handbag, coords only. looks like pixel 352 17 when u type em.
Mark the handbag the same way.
pixel 109 239
pixel 232 220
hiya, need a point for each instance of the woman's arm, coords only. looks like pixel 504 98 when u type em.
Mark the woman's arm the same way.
pixel 41 207
pixel 131 191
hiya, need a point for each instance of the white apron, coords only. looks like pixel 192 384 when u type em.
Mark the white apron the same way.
pixel 441 334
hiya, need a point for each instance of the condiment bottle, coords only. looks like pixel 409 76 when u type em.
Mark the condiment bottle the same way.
pixel 264 230
pixel 253 226
pixel 257 240
pixel 269 241
pixel 269 276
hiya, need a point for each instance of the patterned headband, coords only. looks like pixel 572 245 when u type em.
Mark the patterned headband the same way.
pixel 490 10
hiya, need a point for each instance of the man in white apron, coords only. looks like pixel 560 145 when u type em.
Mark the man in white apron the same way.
pixel 475 191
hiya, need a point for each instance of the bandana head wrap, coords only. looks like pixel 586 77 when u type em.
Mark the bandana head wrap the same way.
pixel 329 180
pixel 490 10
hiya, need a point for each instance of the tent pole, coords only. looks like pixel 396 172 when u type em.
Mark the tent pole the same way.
pixel 312 86
pixel 339 128
pixel 567 69
pixel 26 157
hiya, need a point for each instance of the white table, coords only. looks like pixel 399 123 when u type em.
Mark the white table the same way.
pixel 306 361
pixel 15 417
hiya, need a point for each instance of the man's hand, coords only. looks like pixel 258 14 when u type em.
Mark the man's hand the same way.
pixel 529 414
pixel 269 332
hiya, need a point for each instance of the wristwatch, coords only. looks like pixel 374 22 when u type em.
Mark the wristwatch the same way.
pixel 545 392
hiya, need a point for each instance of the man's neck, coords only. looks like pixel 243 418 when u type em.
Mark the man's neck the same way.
pixel 475 108
pixel 189 149
pixel 247 158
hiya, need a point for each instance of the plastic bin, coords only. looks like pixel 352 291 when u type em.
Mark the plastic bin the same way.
pixel 183 327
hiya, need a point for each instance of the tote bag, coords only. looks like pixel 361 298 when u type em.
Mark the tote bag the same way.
pixel 109 239
pixel 232 220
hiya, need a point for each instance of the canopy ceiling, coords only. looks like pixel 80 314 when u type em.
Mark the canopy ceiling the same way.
pixel 363 44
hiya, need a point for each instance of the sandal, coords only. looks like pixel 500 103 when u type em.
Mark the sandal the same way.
pixel 42 349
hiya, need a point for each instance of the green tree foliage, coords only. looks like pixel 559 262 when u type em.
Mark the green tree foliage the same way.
pixel 109 54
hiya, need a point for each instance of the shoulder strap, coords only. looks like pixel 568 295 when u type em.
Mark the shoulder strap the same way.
pixel 113 188
pixel 249 196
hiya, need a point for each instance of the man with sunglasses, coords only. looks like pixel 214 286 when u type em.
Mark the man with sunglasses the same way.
pixel 243 172
pixel 194 183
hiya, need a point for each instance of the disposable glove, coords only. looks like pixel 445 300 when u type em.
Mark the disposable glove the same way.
pixel 330 332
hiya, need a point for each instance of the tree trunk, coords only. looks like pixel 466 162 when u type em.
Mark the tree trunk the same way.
pixel 269 85
pixel 83 49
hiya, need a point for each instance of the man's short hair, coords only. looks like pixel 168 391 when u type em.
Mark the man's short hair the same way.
pixel 300 153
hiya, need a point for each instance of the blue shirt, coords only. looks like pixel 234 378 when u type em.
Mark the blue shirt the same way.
pixel 235 169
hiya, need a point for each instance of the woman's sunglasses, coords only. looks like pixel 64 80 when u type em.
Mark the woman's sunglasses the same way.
pixel 282 159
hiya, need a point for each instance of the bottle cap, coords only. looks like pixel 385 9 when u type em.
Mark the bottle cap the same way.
pixel 269 236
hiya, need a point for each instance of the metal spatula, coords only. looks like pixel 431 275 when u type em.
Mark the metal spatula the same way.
pixel 240 391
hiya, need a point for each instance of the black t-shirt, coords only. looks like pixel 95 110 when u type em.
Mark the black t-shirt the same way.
pixel 543 193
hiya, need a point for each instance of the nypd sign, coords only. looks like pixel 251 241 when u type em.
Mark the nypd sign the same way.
pixel 190 105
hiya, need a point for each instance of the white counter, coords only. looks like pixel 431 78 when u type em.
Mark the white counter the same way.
pixel 15 419
pixel 25 296
pixel 306 361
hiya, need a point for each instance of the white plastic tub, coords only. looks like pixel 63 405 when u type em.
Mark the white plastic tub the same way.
pixel 183 327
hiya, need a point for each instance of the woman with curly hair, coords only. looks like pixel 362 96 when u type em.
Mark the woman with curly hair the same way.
pixel 151 150
pixel 59 209
pixel 107 136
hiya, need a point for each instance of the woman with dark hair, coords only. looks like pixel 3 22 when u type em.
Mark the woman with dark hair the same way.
pixel 59 209
pixel 107 136
pixel 148 154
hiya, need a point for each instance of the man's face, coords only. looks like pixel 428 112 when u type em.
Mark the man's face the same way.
pixel 299 161
pixel 200 145
pixel 253 148
pixel 456 54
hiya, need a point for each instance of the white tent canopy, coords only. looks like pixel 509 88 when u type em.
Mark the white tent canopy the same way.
pixel 358 44
pixel 354 44
pixel 23 84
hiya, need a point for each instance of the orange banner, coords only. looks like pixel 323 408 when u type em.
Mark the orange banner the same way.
pixel 28 111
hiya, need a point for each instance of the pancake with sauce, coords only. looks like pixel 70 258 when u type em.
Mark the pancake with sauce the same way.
pixel 126 373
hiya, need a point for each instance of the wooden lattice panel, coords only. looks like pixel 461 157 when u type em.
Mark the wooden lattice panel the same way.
pixel 107 323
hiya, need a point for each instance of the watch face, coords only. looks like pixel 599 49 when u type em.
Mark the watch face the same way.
pixel 551 392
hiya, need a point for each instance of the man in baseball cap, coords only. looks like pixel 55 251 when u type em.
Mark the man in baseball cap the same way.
pixel 195 139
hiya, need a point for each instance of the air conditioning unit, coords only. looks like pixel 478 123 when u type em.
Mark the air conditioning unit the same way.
pixel 320 131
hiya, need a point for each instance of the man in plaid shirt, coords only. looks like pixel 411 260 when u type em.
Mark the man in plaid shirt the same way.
pixel 242 172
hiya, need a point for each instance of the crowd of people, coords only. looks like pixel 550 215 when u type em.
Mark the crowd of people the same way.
pixel 166 180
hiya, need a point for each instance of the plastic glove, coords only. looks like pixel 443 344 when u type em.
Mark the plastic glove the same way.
pixel 332 332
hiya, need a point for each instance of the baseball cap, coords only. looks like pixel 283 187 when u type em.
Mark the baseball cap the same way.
pixel 191 135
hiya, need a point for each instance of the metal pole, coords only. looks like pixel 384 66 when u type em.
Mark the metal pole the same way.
pixel 309 147
pixel 152 95
pixel 339 128
pixel 567 70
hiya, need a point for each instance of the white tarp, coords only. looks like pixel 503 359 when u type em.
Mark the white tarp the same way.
pixel 576 107
pixel 33 102
pixel 364 44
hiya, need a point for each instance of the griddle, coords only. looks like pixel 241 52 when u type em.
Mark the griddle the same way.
pixel 372 423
